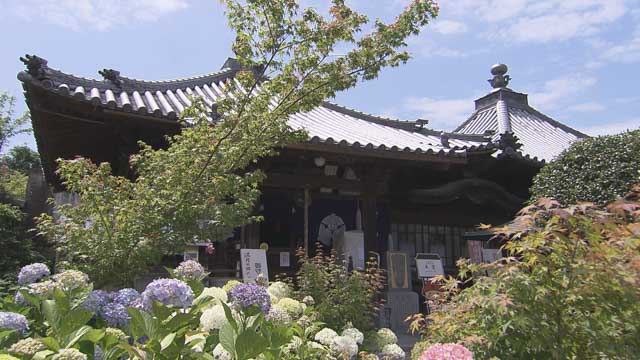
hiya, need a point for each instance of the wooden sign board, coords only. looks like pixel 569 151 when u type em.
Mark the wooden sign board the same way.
pixel 429 265
pixel 285 259
pixel 398 270
pixel 254 263
pixel 190 253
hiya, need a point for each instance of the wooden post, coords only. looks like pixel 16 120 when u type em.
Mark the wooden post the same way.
pixel 370 223
pixel 306 221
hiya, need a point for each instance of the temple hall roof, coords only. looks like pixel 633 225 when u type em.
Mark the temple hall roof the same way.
pixel 505 111
pixel 329 124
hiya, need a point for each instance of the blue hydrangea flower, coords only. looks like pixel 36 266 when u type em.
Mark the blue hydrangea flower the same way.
pixel 32 273
pixel 245 295
pixel 13 321
pixel 168 292
pixel 116 314
pixel 96 300
pixel 190 270
pixel 126 296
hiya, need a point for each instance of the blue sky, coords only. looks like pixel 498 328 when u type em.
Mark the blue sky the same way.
pixel 577 59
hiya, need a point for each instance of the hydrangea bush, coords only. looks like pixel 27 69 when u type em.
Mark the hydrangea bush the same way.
pixel 73 321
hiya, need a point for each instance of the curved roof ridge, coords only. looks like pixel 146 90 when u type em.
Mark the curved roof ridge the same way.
pixel 409 125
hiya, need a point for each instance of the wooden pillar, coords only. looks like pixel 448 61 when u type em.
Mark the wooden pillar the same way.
pixel 369 223
pixel 306 221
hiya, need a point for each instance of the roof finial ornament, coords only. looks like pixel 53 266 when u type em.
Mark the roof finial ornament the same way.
pixel 500 79
pixel 36 66
pixel 111 75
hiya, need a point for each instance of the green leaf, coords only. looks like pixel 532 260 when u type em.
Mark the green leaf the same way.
pixel 71 339
pixel 250 344
pixel 228 338
pixel 73 320
pixel 42 355
pixel 167 341
pixel 51 343
pixel 229 315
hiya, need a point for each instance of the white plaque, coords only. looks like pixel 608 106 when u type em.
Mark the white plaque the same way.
pixel 429 265
pixel 253 263
pixel 190 253
pixel 285 259
pixel 354 248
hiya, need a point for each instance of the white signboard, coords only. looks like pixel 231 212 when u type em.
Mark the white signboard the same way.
pixel 190 253
pixel 254 263
pixel 354 248
pixel 491 255
pixel 429 265
pixel 285 259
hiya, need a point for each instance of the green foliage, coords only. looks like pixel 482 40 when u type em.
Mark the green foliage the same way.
pixel 569 290
pixel 10 125
pixel 21 159
pixel 13 185
pixel 597 170
pixel 207 176
pixel 16 248
pixel 340 297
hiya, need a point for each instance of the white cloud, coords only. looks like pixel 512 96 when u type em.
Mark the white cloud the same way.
pixel 612 127
pixel 448 27
pixel 540 21
pixel 560 91
pixel 587 107
pixel 101 15
pixel 427 47
pixel 441 113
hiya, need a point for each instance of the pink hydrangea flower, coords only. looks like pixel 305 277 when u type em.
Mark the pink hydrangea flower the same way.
pixel 446 352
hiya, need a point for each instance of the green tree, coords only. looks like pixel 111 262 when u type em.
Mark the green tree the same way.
pixel 10 125
pixel 207 176
pixel 597 170
pixel 22 159
pixel 569 289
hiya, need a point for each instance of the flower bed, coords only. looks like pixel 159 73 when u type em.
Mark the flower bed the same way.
pixel 61 317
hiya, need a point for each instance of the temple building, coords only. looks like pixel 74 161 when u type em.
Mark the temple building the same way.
pixel 363 183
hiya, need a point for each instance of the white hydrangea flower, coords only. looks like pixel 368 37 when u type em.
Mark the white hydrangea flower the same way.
pixel 355 334
pixel 344 345
pixel 386 337
pixel 219 353
pixel 27 347
pixel 72 279
pixel 279 290
pixel 308 300
pixel 214 292
pixel 213 318
pixel 392 352
pixel 291 306
pixel 325 336
pixel 69 354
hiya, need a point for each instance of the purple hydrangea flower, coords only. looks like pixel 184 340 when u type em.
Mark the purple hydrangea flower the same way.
pixel 13 321
pixel 126 296
pixel 245 295
pixel 190 270
pixel 32 273
pixel 115 314
pixel 96 300
pixel 168 292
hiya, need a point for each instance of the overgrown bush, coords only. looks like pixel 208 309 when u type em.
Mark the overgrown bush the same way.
pixel 570 288
pixel 598 170
pixel 341 297
pixel 15 247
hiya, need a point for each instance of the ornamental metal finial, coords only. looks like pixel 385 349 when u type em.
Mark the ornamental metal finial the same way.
pixel 500 79
pixel 36 66
pixel 112 75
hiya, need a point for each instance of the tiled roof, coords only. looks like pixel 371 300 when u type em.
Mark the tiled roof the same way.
pixel 327 124
pixel 504 110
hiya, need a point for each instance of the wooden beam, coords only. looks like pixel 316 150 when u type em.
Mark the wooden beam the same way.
pixel 379 153
pixel 288 181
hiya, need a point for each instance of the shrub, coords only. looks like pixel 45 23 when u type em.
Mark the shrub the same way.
pixel 569 289
pixel 340 297
pixel 597 170
pixel 16 248
pixel 58 316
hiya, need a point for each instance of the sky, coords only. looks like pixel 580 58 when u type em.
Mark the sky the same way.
pixel 577 59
